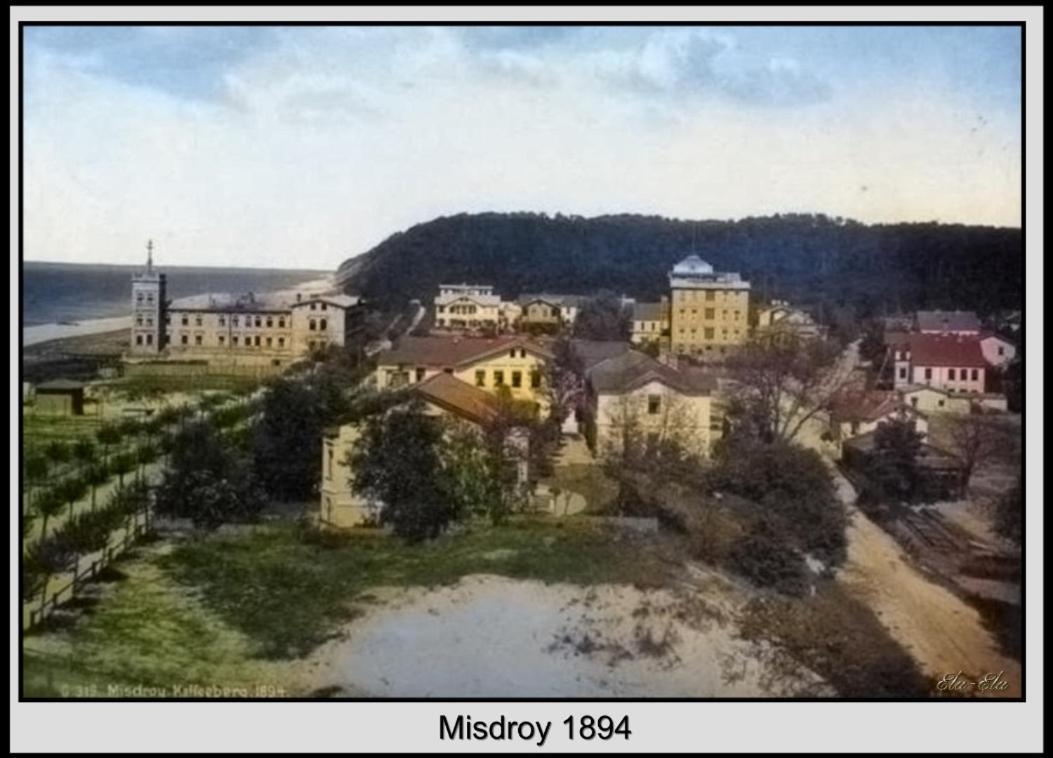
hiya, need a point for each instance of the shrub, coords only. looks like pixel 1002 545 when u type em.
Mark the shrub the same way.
pixel 766 560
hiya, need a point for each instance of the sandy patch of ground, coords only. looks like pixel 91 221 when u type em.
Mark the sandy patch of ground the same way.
pixel 491 636
pixel 943 633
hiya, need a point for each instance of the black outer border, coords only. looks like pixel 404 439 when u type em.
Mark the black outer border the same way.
pixel 278 23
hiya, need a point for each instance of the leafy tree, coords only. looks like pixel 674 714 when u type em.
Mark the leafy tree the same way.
pixel 49 503
pixel 205 482
pixel 47 557
pixel 36 469
pixel 396 462
pixel 57 452
pixel 84 451
pixel 72 489
pixel 604 317
pixel 108 435
pixel 145 454
pixel 288 438
pixel 122 465
pixel 893 465
pixel 792 486
pixel 1009 514
pixel 97 474
pixel 763 557
pixel 473 475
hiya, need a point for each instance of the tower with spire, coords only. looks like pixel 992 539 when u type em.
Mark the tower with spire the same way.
pixel 148 308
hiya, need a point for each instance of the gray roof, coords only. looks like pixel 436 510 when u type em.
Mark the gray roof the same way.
pixel 632 370
pixel 592 352
pixel 648 311
pixel 60 385
pixel 952 321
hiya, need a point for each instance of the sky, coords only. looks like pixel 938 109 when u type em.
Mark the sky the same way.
pixel 299 147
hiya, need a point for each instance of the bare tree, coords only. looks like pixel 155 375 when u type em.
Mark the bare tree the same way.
pixel 973 439
pixel 634 437
pixel 779 385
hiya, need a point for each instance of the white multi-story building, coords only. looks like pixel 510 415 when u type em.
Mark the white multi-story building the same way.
pixel 468 307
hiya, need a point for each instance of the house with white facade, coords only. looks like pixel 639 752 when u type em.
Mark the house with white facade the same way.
pixel 468 307
pixel 998 351
pixel 952 363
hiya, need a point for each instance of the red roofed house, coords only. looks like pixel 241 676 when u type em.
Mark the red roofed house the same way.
pixel 515 362
pixel 952 363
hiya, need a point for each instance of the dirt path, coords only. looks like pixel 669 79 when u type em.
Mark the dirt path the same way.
pixel 943 633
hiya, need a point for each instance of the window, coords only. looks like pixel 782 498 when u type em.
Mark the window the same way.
pixel 197 321
pixel 281 323
pixel 269 342
pixel 258 322
pixel 480 378
pixel 222 339
pixel 928 373
pixel 710 313
pixel 499 378
pixel 197 339
pixel 654 404
pixel 149 297
pixel 1001 350
pixel 234 321
pixel 517 378
pixel 976 375
pixel 903 372
pixel 185 321
pixel 270 322
pixel 168 319
pixel 323 306
pixel 312 306
pixel 708 332
pixel 950 374
pixel 257 340
pixel 914 402
pixel 322 324
pixel 138 320
pixel 138 339
pixel 311 325
pixel 512 353
pixel 234 340
pixel 535 379
pixel 939 403
pixel 522 352
pixel 281 342
pixel 328 462
pixel 222 320
pixel 149 339
pixel 139 297
pixel 420 374
pixel 183 339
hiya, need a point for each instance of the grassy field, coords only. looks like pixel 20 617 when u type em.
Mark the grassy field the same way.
pixel 239 610
pixel 148 386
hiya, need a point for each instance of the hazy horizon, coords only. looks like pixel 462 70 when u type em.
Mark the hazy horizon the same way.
pixel 252 144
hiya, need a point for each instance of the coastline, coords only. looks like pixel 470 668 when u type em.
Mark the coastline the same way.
pixel 41 333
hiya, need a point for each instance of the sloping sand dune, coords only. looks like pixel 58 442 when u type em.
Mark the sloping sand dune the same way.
pixel 490 636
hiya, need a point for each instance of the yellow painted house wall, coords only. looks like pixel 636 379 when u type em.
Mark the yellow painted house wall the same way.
pixel 523 361
pixel 708 319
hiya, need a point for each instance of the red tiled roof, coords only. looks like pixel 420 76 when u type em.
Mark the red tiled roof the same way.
pixel 453 351
pixel 939 350
pixel 459 398
pixel 868 405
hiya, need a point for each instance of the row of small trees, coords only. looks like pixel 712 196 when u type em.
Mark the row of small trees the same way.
pixel 81 535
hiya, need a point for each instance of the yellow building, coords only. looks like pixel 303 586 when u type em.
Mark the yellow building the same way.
pixel 517 363
pixel 442 395
pixel 709 310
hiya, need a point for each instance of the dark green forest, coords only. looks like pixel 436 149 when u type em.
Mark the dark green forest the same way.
pixel 811 259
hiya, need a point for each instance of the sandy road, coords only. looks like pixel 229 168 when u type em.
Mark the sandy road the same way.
pixel 943 633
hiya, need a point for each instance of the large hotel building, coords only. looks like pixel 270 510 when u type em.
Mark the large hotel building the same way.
pixel 708 310
pixel 246 331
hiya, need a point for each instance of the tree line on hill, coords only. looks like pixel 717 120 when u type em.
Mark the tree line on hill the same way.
pixel 811 259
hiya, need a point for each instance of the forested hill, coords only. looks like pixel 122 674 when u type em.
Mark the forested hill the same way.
pixel 806 258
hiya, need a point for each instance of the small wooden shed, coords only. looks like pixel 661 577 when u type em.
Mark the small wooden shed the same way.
pixel 61 397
